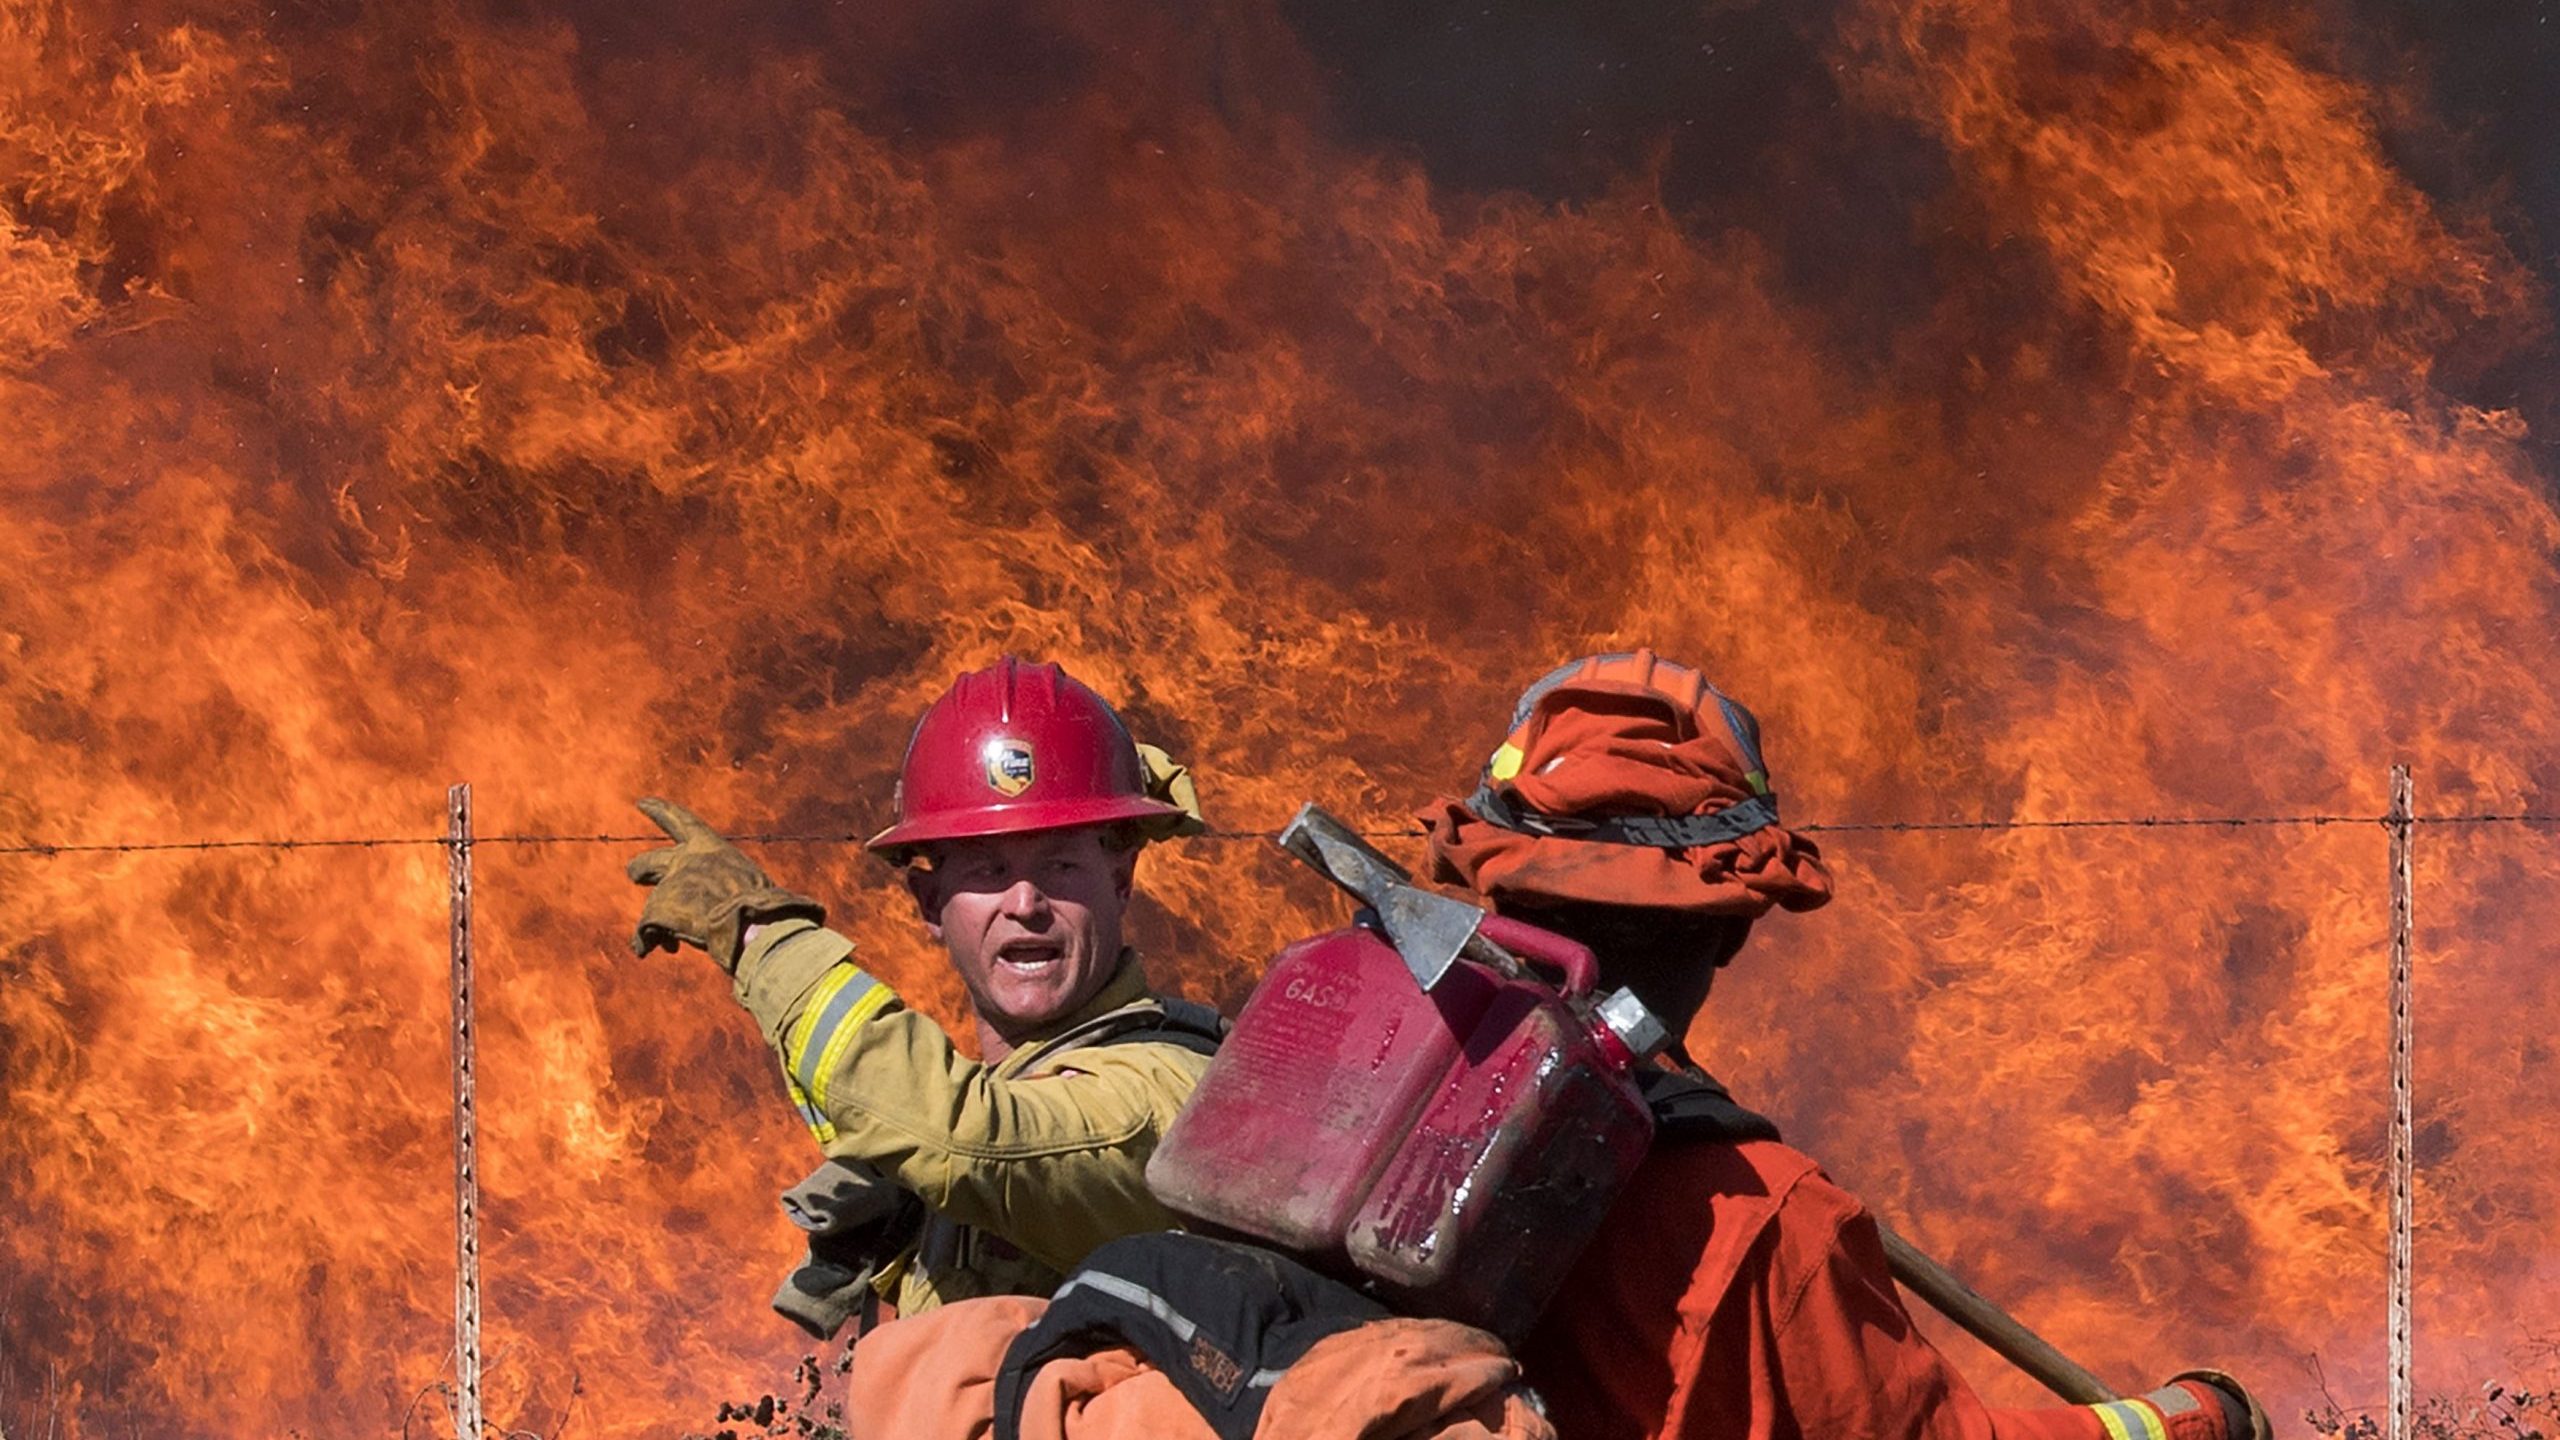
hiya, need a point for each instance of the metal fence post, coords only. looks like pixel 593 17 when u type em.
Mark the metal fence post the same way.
pixel 2403 1178
pixel 467 1423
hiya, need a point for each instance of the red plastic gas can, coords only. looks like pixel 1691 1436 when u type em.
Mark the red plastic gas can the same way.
pixel 1329 1065
pixel 1456 1148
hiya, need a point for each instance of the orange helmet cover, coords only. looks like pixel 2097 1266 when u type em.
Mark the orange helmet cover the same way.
pixel 1628 780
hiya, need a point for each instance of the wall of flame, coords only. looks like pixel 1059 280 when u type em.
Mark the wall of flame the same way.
pixel 589 404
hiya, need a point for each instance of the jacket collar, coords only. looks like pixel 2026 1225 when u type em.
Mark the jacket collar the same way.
pixel 1127 986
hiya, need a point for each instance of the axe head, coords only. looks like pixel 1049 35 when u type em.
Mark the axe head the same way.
pixel 1427 930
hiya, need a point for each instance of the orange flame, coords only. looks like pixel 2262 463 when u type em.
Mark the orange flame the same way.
pixel 587 410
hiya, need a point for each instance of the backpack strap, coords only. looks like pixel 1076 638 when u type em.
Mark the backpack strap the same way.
pixel 1223 1321
pixel 1159 1018
pixel 1690 1104
pixel 1195 1027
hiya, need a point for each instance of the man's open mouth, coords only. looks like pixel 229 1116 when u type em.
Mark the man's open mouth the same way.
pixel 1030 955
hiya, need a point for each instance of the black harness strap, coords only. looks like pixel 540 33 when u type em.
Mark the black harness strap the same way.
pixel 1195 1027
pixel 1222 1321
pixel 1690 1104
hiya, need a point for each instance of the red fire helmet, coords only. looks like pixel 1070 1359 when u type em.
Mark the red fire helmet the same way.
pixel 1016 747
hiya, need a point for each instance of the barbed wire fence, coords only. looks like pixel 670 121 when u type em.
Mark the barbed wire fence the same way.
pixel 2400 822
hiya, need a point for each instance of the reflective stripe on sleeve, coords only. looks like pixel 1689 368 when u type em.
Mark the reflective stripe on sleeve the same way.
pixel 2173 1400
pixel 838 1008
pixel 815 1118
pixel 2131 1420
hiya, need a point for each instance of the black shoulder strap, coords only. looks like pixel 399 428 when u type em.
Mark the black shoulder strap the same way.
pixel 1690 1104
pixel 1223 1321
pixel 1195 1027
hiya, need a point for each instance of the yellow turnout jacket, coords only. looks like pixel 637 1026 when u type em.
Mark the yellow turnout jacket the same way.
pixel 1024 1165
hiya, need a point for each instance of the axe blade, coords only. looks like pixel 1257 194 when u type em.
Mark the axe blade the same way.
pixel 1427 930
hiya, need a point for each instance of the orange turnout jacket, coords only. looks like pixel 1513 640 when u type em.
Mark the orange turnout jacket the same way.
pixel 1735 1293
pixel 933 1377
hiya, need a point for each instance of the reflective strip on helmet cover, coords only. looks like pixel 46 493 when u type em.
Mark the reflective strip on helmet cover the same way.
pixel 2131 1420
pixel 834 1013
pixel 1746 739
pixel 1538 689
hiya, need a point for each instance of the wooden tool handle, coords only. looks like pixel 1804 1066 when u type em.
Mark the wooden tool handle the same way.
pixel 1990 1324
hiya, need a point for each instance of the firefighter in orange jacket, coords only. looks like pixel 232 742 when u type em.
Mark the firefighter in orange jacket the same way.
pixel 1734 1292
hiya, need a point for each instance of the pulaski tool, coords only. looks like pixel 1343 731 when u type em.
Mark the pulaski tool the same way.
pixel 1430 931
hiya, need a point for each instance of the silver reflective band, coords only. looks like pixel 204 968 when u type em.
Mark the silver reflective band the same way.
pixel 822 1032
pixel 1154 1304
pixel 2173 1400
pixel 2131 1419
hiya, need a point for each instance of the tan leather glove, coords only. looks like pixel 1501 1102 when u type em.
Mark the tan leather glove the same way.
pixel 704 891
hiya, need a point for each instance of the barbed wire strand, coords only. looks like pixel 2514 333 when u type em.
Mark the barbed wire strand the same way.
pixel 42 849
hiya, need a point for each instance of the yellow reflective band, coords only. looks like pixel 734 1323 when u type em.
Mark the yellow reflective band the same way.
pixel 810 1115
pixel 863 1009
pixel 1505 762
pixel 807 1024
pixel 839 1003
pixel 1759 782
pixel 2131 1420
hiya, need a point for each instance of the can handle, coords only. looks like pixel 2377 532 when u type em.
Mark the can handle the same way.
pixel 1546 948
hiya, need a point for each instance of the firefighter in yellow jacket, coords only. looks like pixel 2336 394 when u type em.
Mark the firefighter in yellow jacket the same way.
pixel 1022 805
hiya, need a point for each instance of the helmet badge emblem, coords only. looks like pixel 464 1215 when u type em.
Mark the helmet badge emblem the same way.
pixel 1008 767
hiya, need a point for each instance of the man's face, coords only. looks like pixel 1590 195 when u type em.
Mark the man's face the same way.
pixel 1032 922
